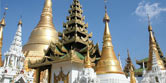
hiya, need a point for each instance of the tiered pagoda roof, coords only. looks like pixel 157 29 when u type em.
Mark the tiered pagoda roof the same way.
pixel 75 34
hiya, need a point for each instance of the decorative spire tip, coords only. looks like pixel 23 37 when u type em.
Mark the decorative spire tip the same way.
pixel 3 19
pixel 106 17
pixel 105 9
pixel 149 24
pixel 20 21
pixel 128 53
pixel 4 14
pixel 119 54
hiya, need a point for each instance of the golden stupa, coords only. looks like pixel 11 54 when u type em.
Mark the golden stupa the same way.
pixel 108 62
pixel 153 49
pixel 42 35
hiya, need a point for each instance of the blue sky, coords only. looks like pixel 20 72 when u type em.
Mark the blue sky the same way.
pixel 128 29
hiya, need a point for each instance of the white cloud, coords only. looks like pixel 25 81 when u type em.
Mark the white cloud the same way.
pixel 153 10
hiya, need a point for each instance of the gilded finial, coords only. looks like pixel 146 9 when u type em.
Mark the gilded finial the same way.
pixel 87 61
pixel 105 1
pixel 152 39
pixel 20 21
pixel 106 20
pixel 149 24
pixel 105 9
pixel 148 19
pixel 128 53
pixel 2 23
pixel 119 54
pixel 106 17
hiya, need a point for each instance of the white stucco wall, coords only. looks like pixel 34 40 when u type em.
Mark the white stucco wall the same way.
pixel 67 66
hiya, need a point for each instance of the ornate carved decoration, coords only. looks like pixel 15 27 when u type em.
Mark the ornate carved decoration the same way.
pixel 61 77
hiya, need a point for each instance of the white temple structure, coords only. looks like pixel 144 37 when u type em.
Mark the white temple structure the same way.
pixel 156 72
pixel 87 75
pixel 12 70
pixel 71 57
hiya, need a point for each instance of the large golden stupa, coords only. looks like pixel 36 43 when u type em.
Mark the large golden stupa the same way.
pixel 108 62
pixel 42 35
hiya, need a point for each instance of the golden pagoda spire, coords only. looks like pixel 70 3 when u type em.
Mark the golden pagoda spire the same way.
pixel 87 61
pixel 132 75
pixel 131 69
pixel 129 59
pixel 108 62
pixel 44 31
pixel 46 19
pixel 153 48
pixel 128 64
pixel 2 25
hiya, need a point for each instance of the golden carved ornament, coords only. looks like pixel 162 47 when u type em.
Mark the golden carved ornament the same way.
pixel 87 60
pixel 61 77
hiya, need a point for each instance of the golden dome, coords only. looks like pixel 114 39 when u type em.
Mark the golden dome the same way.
pixel 108 62
pixel 42 35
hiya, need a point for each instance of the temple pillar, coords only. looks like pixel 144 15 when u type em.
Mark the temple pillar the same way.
pixel 49 75
pixel 8 61
pixel 15 65
pixel 5 62
pixel 38 75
